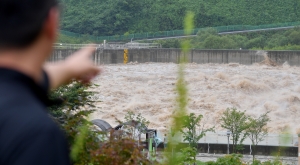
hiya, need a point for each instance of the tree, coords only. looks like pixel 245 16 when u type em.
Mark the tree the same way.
pixel 205 33
pixel 257 130
pixel 134 125
pixel 219 42
pixel 193 131
pixel 258 42
pixel 71 111
pixel 237 123
pixel 294 37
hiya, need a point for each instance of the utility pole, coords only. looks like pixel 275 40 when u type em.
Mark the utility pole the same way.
pixel 228 135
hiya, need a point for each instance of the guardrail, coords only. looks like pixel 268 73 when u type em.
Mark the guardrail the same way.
pixel 130 45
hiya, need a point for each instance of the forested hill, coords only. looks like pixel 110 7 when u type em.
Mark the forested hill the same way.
pixel 115 17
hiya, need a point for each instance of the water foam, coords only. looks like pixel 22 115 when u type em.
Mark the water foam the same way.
pixel 149 89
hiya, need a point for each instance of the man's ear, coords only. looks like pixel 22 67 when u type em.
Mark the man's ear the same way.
pixel 51 24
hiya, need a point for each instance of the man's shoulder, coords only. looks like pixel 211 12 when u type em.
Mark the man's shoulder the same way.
pixel 22 117
pixel 24 120
pixel 21 106
pixel 14 95
pixel 21 111
pixel 30 135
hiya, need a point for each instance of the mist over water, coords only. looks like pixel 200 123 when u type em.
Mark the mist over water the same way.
pixel 149 89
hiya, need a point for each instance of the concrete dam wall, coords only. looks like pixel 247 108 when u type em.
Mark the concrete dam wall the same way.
pixel 246 57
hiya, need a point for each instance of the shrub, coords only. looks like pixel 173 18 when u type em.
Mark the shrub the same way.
pixel 118 150
pixel 70 113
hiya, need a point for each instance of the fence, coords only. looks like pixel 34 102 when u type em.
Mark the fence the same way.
pixel 270 140
pixel 217 143
pixel 115 45
pixel 175 33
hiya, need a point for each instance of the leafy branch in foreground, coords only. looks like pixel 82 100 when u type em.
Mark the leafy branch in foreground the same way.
pixel 182 99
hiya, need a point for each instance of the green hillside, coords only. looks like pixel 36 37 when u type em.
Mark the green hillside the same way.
pixel 116 17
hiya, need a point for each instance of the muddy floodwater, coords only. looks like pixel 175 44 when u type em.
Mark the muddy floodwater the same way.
pixel 149 89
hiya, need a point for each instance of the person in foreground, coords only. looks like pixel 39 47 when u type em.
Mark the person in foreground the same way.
pixel 28 29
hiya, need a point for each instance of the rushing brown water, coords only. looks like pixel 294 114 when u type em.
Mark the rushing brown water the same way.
pixel 149 89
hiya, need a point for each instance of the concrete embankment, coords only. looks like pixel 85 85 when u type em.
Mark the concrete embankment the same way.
pixel 246 57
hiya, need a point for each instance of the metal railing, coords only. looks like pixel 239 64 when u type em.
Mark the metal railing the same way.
pixel 270 140
pixel 118 45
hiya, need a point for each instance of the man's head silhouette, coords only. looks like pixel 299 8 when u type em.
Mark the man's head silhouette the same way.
pixel 22 21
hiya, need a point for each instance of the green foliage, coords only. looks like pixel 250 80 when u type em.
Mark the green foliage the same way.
pixel 73 40
pixel 74 97
pixel 294 37
pixel 79 142
pixel 87 148
pixel 189 23
pixel 200 163
pixel 116 17
pixel 233 159
pixel 181 100
pixel 285 47
pixel 209 39
pixel 203 34
pixel 236 159
pixel 118 150
pixel 256 42
pixel 268 40
pixel 257 130
pixel 173 43
pixel 113 18
pixel 192 130
pixel 270 162
pixel 276 40
pixel 219 42
pixel 237 123
pixel 136 124
pixel 188 27
pixel 187 156
pixel 72 117
pixel 129 116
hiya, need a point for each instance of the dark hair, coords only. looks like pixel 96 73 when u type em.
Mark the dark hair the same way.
pixel 21 21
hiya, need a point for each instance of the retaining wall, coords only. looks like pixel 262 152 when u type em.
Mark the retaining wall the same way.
pixel 246 57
